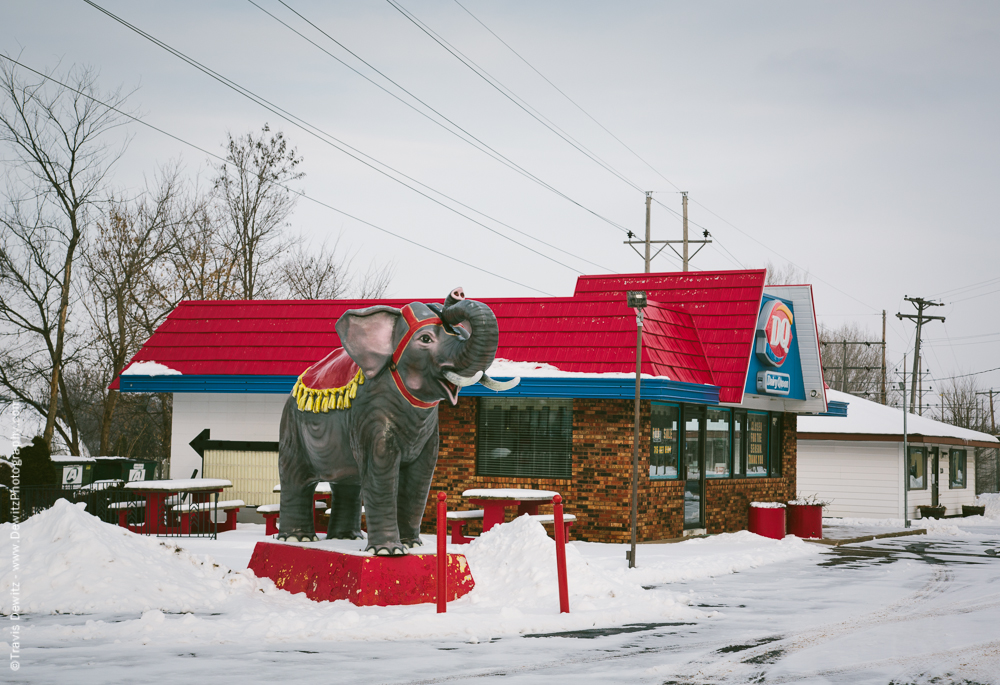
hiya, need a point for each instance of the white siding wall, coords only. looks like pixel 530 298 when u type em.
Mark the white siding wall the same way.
pixel 954 499
pixel 229 416
pixel 865 479
pixel 861 479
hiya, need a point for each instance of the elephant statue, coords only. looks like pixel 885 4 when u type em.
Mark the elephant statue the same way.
pixel 365 418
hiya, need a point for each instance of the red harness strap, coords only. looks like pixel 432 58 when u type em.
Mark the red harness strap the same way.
pixel 414 325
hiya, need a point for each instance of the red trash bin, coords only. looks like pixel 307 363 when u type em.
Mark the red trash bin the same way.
pixel 805 520
pixel 767 519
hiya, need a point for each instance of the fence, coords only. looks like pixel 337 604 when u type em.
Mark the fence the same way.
pixel 115 505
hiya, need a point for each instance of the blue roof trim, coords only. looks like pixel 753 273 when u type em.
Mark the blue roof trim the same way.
pixel 835 408
pixel 598 388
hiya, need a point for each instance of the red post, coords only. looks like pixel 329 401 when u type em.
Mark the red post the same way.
pixel 442 555
pixel 560 531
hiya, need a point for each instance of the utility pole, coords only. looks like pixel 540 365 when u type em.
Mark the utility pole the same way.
pixel 685 241
pixel 885 399
pixel 684 204
pixel 844 368
pixel 993 420
pixel 921 304
pixel 649 200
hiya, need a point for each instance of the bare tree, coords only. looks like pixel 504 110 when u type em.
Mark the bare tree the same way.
pixel 309 274
pixel 124 293
pixel 789 274
pixel 253 191
pixel 203 265
pixel 374 282
pixel 960 406
pixel 851 362
pixel 57 138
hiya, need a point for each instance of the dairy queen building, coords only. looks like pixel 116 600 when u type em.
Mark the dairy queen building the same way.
pixel 728 363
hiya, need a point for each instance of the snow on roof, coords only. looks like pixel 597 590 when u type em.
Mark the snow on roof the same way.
pixel 504 368
pixel 70 459
pixel 150 368
pixel 865 417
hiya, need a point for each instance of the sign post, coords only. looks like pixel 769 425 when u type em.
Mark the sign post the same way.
pixel 637 301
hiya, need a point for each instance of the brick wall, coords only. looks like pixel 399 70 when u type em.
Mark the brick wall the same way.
pixel 599 491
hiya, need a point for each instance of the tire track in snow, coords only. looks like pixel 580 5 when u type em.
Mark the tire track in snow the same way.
pixel 745 665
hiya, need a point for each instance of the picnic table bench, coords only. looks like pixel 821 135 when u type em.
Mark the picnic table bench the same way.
pixel 158 492
pixel 230 506
pixel 270 512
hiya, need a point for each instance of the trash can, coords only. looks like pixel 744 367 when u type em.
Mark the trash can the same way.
pixel 805 520
pixel 768 519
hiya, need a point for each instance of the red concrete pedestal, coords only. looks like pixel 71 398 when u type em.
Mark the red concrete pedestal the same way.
pixel 768 522
pixel 805 520
pixel 364 580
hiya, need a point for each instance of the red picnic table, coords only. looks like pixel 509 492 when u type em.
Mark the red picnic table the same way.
pixel 496 501
pixel 156 493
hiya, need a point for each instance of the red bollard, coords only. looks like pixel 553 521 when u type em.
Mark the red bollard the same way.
pixel 442 555
pixel 560 531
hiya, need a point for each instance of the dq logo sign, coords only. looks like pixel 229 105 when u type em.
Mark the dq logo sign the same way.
pixel 774 333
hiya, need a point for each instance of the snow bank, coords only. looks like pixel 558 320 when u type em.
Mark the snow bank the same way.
pixel 992 503
pixel 699 558
pixel 71 562
pixel 144 590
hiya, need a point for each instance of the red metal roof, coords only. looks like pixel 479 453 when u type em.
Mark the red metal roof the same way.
pixel 698 328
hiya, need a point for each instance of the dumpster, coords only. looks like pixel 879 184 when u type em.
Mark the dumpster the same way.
pixel 768 519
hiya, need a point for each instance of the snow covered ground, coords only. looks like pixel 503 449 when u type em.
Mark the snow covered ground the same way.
pixel 102 605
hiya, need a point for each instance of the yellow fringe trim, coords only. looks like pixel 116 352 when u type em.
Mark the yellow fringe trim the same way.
pixel 318 401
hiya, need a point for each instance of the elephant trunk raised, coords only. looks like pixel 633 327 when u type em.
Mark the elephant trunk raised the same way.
pixel 480 349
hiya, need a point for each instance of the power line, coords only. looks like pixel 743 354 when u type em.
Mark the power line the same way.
pixel 571 100
pixel 137 120
pixel 965 375
pixel 465 136
pixel 510 95
pixel 325 137
pixel 971 286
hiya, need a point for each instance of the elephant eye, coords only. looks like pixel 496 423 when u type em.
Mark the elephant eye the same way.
pixel 425 338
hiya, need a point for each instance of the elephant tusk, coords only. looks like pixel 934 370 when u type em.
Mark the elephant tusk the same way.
pixel 499 386
pixel 462 381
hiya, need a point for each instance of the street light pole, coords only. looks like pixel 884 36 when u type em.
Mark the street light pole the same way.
pixel 906 455
pixel 637 301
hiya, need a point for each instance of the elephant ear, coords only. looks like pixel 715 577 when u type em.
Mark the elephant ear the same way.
pixel 366 334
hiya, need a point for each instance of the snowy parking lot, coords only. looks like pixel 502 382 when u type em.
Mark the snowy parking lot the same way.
pixel 102 605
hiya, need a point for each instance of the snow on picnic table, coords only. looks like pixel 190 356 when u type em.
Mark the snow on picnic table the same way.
pixel 73 563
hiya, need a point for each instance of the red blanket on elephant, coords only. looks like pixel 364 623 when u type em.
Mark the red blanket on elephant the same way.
pixel 330 383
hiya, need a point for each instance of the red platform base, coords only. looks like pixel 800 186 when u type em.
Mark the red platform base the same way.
pixel 363 579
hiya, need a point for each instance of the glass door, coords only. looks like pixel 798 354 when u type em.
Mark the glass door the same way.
pixel 694 468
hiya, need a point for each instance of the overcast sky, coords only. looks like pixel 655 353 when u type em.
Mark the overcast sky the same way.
pixel 857 141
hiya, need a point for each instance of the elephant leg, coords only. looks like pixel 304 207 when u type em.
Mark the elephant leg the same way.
pixel 295 523
pixel 379 484
pixel 414 486
pixel 345 511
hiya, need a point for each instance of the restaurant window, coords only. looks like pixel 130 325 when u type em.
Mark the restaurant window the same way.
pixel 717 443
pixel 756 436
pixel 957 462
pixel 522 437
pixel 739 443
pixel 917 467
pixel 775 445
pixel 663 443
